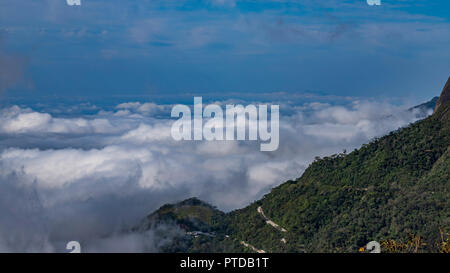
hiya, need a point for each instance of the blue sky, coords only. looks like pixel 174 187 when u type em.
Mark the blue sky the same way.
pixel 145 48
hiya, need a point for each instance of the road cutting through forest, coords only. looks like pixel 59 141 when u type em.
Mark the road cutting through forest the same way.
pixel 269 222
pixel 272 223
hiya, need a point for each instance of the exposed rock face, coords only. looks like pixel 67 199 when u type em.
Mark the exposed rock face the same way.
pixel 445 96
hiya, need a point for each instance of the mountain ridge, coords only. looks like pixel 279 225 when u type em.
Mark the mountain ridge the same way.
pixel 393 190
pixel 444 98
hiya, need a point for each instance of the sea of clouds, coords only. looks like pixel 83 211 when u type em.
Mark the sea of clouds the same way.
pixel 89 177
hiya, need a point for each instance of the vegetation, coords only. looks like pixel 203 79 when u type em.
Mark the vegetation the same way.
pixel 394 190
pixel 190 215
pixel 394 186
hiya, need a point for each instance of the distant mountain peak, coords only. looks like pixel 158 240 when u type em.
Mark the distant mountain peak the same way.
pixel 423 110
pixel 445 96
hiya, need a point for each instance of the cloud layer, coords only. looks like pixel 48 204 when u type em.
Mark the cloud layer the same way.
pixel 90 177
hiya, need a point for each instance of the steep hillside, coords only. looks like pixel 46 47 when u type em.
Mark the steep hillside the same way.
pixel 191 215
pixel 445 96
pixel 189 226
pixel 393 190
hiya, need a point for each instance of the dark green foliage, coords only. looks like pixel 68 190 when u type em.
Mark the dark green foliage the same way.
pixel 396 185
pixel 190 215
pixel 393 187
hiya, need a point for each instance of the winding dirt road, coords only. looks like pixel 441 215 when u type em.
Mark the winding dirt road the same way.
pixel 268 221
pixel 252 247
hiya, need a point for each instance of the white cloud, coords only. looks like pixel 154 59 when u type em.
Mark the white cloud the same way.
pixel 135 165
pixel 17 120
pixel 146 133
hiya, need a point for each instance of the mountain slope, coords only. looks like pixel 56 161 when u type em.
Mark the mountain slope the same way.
pixel 396 185
pixel 395 188
pixel 192 215
pixel 444 97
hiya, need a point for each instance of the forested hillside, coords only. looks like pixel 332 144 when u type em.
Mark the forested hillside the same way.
pixel 394 190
